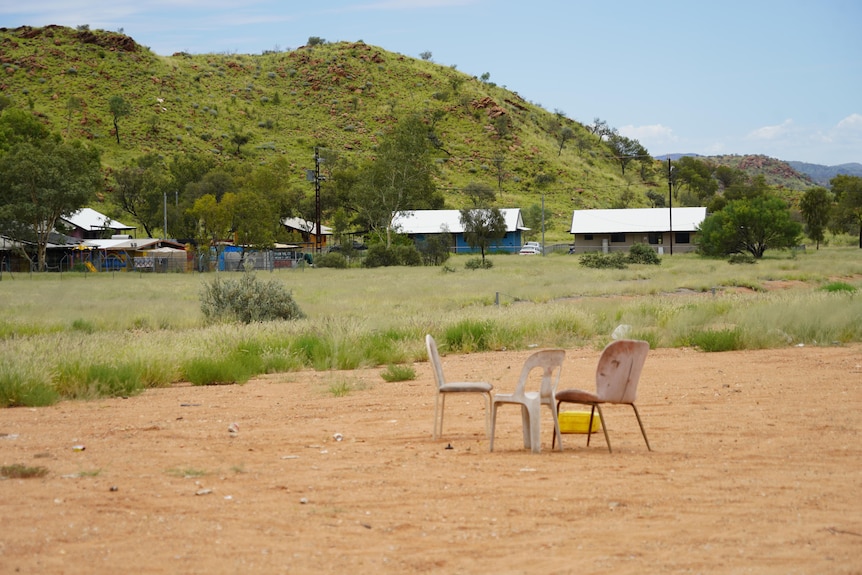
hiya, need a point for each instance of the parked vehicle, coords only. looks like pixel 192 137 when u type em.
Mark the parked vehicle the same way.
pixel 529 251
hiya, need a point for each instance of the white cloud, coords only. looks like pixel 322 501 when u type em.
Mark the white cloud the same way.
pixel 853 122
pixel 655 134
pixel 771 132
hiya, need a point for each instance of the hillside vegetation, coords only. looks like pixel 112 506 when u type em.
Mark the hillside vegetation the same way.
pixel 341 96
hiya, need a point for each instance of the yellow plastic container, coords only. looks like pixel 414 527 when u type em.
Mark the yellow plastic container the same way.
pixel 578 421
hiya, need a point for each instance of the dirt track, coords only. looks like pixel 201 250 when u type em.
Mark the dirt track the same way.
pixel 756 468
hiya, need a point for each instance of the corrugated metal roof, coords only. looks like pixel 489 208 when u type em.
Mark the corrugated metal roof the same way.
pixel 437 221
pixel 636 220
pixel 305 226
pixel 89 219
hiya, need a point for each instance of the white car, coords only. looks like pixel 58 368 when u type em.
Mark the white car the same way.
pixel 529 251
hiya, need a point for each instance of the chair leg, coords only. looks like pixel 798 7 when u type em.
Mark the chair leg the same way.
pixel 436 412
pixel 487 413
pixel 535 412
pixel 604 427
pixel 641 426
pixel 557 434
pixel 493 423
pixel 526 427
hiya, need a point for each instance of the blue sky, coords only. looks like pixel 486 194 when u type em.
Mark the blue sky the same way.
pixel 776 77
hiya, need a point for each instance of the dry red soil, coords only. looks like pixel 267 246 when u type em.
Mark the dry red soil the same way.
pixel 756 467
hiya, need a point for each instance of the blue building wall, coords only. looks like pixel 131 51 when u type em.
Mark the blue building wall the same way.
pixel 511 242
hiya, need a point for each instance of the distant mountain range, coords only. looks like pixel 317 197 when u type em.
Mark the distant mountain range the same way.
pixel 792 175
pixel 822 174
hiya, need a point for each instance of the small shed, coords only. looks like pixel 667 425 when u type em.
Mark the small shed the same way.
pixel 308 232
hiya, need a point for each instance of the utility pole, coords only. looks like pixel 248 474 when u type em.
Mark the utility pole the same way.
pixel 314 176
pixel 166 214
pixel 316 200
pixel 670 202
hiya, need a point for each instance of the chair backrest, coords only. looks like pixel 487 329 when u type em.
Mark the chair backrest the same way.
pixel 619 370
pixel 550 361
pixel 434 358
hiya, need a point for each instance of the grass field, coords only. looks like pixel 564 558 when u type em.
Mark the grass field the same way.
pixel 89 335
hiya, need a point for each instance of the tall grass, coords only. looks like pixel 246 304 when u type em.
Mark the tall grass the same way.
pixel 76 336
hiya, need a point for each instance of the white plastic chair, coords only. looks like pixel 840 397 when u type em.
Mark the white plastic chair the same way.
pixel 617 375
pixel 444 388
pixel 550 361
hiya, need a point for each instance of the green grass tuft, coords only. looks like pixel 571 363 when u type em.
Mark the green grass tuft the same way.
pixel 398 373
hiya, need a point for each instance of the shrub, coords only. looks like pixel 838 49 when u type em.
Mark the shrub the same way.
pixel 248 300
pixel 643 254
pixel 380 256
pixel 331 260
pixel 599 260
pixel 741 259
pixel 478 264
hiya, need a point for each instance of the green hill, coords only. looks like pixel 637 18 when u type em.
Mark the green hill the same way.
pixel 340 96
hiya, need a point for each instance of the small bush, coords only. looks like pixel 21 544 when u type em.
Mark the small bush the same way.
pixel 741 259
pixel 643 254
pixel 838 287
pixel 84 326
pixel 380 256
pixel 248 300
pixel 478 264
pixel 718 340
pixel 599 260
pixel 398 373
pixel 331 260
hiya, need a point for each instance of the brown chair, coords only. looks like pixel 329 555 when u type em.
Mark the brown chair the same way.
pixel 444 388
pixel 617 376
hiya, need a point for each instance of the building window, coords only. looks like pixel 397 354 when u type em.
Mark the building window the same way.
pixel 618 238
pixel 654 238
pixel 682 237
pixel 588 237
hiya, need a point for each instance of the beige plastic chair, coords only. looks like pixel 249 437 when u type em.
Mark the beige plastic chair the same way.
pixel 617 375
pixel 444 388
pixel 550 361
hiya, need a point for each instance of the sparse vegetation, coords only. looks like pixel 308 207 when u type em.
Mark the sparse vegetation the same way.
pixel 19 471
pixel 148 332
pixel 395 372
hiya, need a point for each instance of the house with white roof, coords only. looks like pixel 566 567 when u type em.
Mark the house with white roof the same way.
pixel 668 230
pixel 419 225
pixel 88 224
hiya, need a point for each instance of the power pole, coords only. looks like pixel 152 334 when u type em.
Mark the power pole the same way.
pixel 316 200
pixel 670 202
pixel 314 176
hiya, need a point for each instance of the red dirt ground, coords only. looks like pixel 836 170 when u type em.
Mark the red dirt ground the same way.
pixel 756 468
